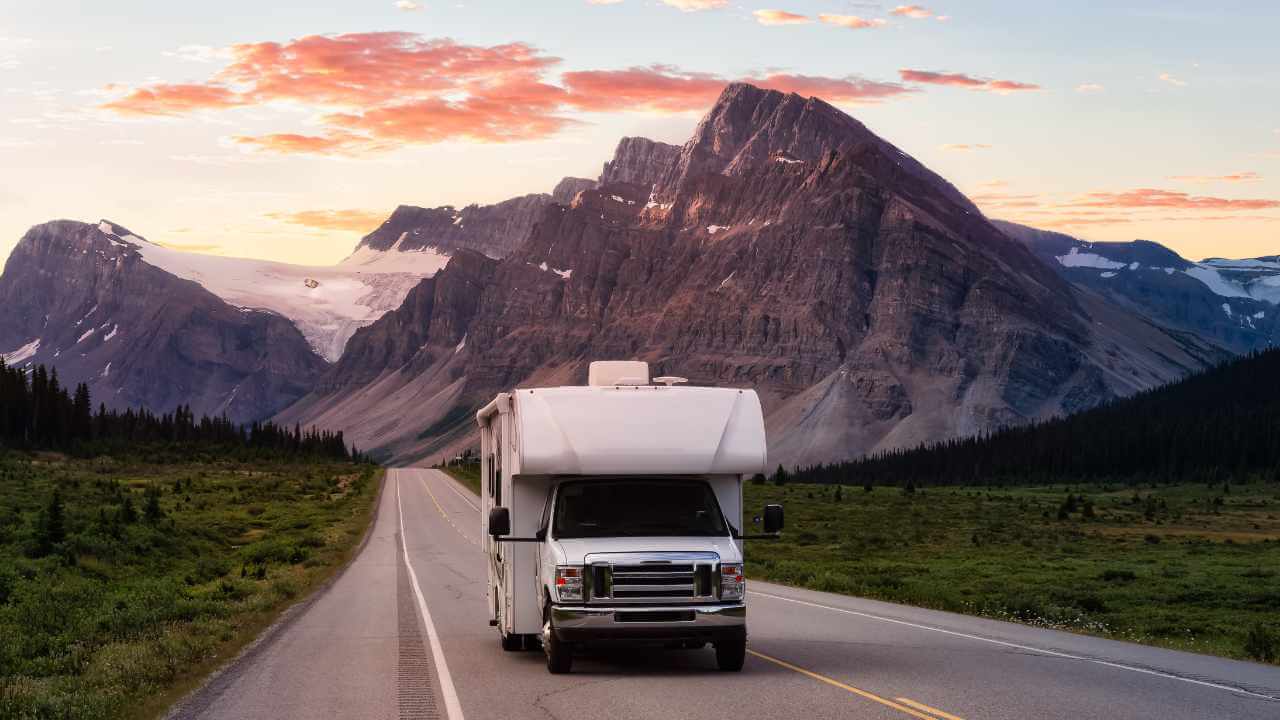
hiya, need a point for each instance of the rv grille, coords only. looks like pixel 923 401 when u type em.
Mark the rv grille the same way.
pixel 652 581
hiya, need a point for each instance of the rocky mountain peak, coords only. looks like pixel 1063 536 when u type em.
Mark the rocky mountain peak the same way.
pixel 568 188
pixel 640 161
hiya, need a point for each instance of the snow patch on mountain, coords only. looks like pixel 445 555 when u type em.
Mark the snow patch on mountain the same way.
pixel 327 303
pixel 1216 282
pixel 1077 259
pixel 13 357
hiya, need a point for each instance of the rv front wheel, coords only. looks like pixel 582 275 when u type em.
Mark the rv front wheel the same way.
pixel 559 653
pixel 731 653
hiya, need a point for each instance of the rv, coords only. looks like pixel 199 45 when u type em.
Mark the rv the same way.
pixel 613 513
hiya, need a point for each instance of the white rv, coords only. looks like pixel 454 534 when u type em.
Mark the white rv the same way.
pixel 613 512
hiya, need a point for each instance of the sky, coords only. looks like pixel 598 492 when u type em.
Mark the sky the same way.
pixel 287 131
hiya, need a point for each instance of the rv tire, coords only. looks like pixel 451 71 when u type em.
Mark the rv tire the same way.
pixel 511 643
pixel 731 653
pixel 559 653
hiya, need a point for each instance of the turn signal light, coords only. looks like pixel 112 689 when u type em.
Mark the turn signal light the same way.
pixel 569 583
pixel 733 585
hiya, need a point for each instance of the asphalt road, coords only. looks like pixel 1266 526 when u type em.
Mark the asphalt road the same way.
pixel 403 634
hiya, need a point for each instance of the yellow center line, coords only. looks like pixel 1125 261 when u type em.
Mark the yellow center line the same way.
pixel 427 486
pixel 849 688
pixel 921 706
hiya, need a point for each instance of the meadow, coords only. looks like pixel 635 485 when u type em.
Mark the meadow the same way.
pixel 1188 566
pixel 125 580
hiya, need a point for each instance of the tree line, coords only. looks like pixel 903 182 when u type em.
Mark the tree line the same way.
pixel 37 412
pixel 1222 425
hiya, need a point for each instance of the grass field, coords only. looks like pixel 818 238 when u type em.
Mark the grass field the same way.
pixel 468 475
pixel 121 594
pixel 1186 566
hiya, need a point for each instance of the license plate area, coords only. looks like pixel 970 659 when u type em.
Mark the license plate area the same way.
pixel 653 616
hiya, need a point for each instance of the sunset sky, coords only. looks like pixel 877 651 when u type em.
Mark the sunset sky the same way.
pixel 287 130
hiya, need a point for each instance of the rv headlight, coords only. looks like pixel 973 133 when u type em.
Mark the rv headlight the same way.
pixel 733 584
pixel 569 583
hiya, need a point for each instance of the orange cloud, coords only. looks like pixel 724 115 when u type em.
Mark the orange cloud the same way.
pixel 359 220
pixel 1154 198
pixel 851 90
pixel 780 17
pixel 374 91
pixel 162 100
pixel 334 143
pixel 965 81
pixel 912 11
pixel 853 22
pixel 658 87
pixel 1233 177
pixel 665 89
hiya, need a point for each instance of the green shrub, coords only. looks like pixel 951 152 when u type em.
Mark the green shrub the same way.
pixel 1262 643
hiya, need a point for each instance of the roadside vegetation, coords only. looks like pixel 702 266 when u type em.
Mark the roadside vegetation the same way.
pixel 465 469
pixel 1188 566
pixel 122 581
pixel 138 551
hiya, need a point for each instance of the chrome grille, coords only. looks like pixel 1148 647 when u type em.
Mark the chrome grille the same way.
pixel 656 577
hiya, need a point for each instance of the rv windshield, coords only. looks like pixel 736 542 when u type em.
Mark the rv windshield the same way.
pixel 649 508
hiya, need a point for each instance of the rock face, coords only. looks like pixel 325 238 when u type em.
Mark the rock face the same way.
pixel 567 189
pixel 1232 303
pixel 86 301
pixel 494 230
pixel 784 247
pixel 640 161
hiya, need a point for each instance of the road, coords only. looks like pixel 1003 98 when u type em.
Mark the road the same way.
pixel 403 634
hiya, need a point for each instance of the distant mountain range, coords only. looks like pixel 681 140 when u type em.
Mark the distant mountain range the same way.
pixel 1230 302
pixel 783 247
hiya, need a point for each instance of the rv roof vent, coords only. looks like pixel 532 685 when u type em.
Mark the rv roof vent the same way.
pixel 670 380
pixel 618 372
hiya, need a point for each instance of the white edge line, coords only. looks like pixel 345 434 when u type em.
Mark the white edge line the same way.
pixel 453 485
pixel 1028 648
pixel 1042 651
pixel 453 709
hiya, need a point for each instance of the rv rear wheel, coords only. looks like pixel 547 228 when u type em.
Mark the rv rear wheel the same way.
pixel 559 653
pixel 511 643
pixel 731 653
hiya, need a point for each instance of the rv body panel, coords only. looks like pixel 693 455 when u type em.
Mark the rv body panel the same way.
pixel 536 442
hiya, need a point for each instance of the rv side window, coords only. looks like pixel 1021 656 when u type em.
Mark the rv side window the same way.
pixel 492 474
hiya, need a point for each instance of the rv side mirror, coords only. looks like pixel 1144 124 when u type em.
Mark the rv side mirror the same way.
pixel 772 518
pixel 499 521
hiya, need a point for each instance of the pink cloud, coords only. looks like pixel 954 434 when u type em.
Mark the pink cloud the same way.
pixel 853 22
pixel 963 147
pixel 1232 178
pixel 1155 198
pixel 964 81
pixel 912 11
pixel 780 17
pixel 374 91
pixel 160 100
pixel 358 220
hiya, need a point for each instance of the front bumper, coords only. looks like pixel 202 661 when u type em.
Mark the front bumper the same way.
pixel 711 623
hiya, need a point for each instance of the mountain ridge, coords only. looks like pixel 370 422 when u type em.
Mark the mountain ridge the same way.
pixel 784 247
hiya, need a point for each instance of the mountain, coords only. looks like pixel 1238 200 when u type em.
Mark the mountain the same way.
pixel 567 189
pixel 1233 303
pixel 785 247
pixel 1214 426
pixel 83 298
pixel 494 230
